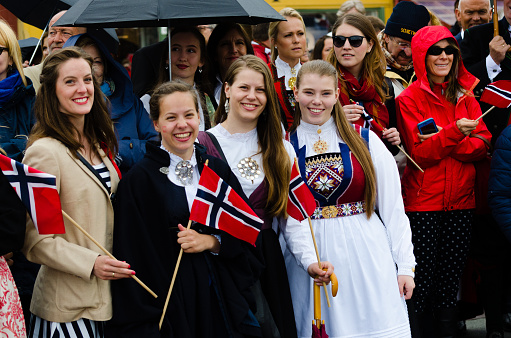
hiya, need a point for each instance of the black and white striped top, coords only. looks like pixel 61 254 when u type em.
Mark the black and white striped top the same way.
pixel 104 173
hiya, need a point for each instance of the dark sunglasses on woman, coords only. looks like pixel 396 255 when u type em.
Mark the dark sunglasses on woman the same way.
pixel 355 40
pixel 435 50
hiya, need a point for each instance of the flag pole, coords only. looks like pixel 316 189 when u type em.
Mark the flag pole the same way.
pixel 105 250
pixel 175 273
pixel 486 112
pixel 495 19
pixel 173 280
pixel 315 245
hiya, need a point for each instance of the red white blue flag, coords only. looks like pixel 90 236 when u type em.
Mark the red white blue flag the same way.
pixel 301 203
pixel 217 205
pixel 38 192
pixel 498 94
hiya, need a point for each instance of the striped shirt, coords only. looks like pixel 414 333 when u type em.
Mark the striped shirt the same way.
pixel 103 173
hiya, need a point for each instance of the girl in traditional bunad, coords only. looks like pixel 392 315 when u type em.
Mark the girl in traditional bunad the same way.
pixel 352 176
pixel 288 45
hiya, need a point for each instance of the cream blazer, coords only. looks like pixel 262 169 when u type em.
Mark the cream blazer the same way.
pixel 65 289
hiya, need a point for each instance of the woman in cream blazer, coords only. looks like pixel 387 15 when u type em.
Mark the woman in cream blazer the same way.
pixel 73 140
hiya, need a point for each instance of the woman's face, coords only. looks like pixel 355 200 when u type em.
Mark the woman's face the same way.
pixel 186 57
pixel 5 61
pixel 75 88
pixel 439 66
pixel 230 47
pixel 98 66
pixel 348 56
pixel 316 96
pixel 247 96
pixel 290 40
pixel 326 48
pixel 178 124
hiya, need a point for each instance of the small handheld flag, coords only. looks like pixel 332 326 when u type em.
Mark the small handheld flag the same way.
pixel 301 203
pixel 38 192
pixel 498 94
pixel 219 206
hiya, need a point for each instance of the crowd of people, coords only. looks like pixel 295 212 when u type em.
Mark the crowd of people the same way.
pixel 411 186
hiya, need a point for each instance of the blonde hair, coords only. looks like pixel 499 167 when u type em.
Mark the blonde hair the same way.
pixel 273 31
pixel 345 130
pixel 8 39
pixel 276 163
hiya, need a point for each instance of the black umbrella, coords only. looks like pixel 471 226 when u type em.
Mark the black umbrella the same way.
pixel 161 13
pixel 38 13
pixel 169 13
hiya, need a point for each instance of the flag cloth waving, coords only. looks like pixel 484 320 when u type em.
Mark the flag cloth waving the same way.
pixel 498 94
pixel 301 203
pixel 219 206
pixel 38 192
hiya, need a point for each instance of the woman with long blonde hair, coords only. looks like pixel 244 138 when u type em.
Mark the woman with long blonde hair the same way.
pixel 351 176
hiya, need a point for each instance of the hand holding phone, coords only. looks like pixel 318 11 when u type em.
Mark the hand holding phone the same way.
pixel 427 126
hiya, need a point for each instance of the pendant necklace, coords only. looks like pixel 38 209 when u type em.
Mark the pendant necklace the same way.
pixel 249 169
pixel 292 80
pixel 320 146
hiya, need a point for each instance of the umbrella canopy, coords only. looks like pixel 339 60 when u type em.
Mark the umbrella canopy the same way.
pixel 163 13
pixel 319 333
pixel 36 12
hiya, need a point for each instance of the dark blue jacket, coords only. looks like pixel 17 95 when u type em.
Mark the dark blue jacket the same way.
pixel 133 126
pixel 499 185
pixel 16 120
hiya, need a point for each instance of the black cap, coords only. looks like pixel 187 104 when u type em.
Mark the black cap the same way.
pixel 406 19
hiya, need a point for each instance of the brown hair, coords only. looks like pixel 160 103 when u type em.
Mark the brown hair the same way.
pixel 276 163
pixel 374 64
pixel 345 130
pixel 453 86
pixel 98 127
pixel 166 89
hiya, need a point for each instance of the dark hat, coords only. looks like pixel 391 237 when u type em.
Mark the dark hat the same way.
pixel 406 19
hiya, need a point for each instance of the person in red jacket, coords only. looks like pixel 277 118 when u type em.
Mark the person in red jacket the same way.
pixel 440 201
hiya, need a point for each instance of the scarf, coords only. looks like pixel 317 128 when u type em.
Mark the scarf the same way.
pixel 9 85
pixel 364 94
pixel 389 58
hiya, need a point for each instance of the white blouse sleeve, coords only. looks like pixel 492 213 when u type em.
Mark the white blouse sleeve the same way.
pixel 389 204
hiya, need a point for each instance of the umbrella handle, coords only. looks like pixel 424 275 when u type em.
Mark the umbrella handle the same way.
pixel 317 305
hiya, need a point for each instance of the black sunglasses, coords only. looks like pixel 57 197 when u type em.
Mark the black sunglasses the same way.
pixel 2 50
pixel 355 40
pixel 435 50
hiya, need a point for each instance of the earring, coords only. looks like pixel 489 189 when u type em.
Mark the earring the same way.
pixel 200 69
pixel 226 106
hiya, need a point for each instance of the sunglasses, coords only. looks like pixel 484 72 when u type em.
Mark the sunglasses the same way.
pixel 355 40
pixel 2 50
pixel 435 50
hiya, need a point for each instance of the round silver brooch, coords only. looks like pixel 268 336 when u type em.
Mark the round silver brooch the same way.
pixel 249 169
pixel 184 172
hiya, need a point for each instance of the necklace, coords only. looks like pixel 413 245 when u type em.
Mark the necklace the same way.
pixel 184 172
pixel 320 146
pixel 249 169
pixel 292 79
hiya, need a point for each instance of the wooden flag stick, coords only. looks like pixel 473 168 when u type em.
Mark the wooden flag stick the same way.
pixel 105 250
pixel 495 19
pixel 486 112
pixel 173 280
pixel 319 260
pixel 404 152
pixel 175 274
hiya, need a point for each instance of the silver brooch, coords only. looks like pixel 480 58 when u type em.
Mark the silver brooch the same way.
pixel 164 170
pixel 184 172
pixel 249 169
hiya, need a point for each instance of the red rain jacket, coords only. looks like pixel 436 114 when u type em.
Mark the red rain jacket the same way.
pixel 447 157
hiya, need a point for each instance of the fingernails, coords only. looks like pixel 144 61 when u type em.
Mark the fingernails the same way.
pixel 133 272
pixel 129 266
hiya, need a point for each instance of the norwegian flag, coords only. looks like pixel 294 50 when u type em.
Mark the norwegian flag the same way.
pixel 38 192
pixel 300 203
pixel 498 94
pixel 219 206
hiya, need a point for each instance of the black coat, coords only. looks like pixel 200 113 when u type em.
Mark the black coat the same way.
pixel 12 218
pixel 211 294
pixel 474 50
pixel 145 67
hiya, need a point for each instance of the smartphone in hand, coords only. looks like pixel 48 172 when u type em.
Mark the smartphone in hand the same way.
pixel 427 126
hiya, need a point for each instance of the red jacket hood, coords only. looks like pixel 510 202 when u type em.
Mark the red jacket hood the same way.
pixel 427 37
